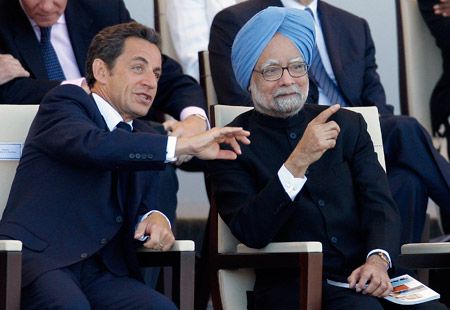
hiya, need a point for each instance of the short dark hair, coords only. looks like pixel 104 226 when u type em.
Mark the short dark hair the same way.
pixel 108 44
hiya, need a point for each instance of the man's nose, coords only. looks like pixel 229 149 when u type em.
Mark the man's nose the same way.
pixel 286 78
pixel 150 80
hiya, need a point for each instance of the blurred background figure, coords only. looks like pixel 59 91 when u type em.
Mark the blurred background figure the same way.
pixel 189 23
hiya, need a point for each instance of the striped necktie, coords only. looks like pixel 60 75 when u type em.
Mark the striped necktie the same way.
pixel 320 76
pixel 51 61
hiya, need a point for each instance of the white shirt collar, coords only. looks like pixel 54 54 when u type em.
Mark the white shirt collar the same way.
pixel 296 5
pixel 111 116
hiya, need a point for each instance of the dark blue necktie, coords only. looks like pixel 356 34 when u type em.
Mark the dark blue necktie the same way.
pixel 52 64
pixel 320 76
pixel 124 126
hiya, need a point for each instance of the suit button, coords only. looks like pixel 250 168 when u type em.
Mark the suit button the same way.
pixel 119 219
pixel 334 239
pixel 104 241
pixel 131 155
pixel 84 255
pixel 292 135
pixel 321 203
pixel 144 156
pixel 149 156
pixel 138 156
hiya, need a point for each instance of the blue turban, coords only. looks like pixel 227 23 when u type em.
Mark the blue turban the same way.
pixel 295 24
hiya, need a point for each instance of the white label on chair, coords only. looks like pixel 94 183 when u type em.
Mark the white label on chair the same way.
pixel 10 151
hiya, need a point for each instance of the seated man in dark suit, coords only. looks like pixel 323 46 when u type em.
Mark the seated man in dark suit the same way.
pixel 346 54
pixel 310 174
pixel 84 193
pixel 73 24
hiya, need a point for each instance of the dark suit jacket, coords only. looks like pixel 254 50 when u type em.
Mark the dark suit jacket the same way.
pixel 440 29
pixel 63 203
pixel 352 55
pixel 345 203
pixel 84 18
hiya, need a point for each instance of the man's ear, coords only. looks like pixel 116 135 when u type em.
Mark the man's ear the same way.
pixel 100 70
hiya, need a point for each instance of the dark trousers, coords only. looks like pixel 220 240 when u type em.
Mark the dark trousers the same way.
pixel 333 298
pixel 415 171
pixel 89 285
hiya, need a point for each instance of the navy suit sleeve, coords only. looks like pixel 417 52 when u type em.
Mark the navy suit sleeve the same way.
pixel 176 90
pixel 25 90
pixel 224 28
pixel 69 128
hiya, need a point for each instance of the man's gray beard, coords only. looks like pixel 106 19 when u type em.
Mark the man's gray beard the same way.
pixel 278 107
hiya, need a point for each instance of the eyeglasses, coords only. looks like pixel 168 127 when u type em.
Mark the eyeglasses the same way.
pixel 275 72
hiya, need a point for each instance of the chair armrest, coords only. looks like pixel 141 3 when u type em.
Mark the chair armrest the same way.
pixel 426 248
pixel 10 245
pixel 425 255
pixel 178 246
pixel 284 247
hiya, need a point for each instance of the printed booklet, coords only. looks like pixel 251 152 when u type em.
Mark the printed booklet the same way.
pixel 407 291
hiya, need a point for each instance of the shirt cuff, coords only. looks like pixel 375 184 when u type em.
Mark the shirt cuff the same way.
pixel 382 251
pixel 143 217
pixel 170 149
pixel 291 184
pixel 77 82
pixel 194 110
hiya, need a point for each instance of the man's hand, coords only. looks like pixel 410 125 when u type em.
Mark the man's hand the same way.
pixel 206 145
pixel 443 8
pixel 191 126
pixel 10 68
pixel 373 271
pixel 318 137
pixel 158 229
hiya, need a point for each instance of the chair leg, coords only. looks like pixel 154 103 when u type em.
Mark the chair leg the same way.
pixel 10 280
pixel 184 278
pixel 311 281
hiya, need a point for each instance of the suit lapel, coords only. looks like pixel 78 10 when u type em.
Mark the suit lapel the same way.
pixel 26 42
pixel 332 36
pixel 80 31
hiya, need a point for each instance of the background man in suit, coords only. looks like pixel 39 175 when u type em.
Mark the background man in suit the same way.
pixel 347 55
pixel 310 173
pixel 85 189
pixel 10 68
pixel 437 16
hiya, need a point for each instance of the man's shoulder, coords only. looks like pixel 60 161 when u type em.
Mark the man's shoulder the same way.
pixel 70 94
pixel 243 11
pixel 338 13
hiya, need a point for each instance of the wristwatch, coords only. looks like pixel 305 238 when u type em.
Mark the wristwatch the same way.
pixel 383 257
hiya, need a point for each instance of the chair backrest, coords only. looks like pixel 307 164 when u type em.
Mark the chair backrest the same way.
pixel 162 27
pixel 223 115
pixel 420 62
pixel 15 121
pixel 206 79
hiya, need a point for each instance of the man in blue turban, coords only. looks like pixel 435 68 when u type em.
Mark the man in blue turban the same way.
pixel 310 174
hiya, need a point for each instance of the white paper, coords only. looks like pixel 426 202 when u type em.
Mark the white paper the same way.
pixel 10 150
